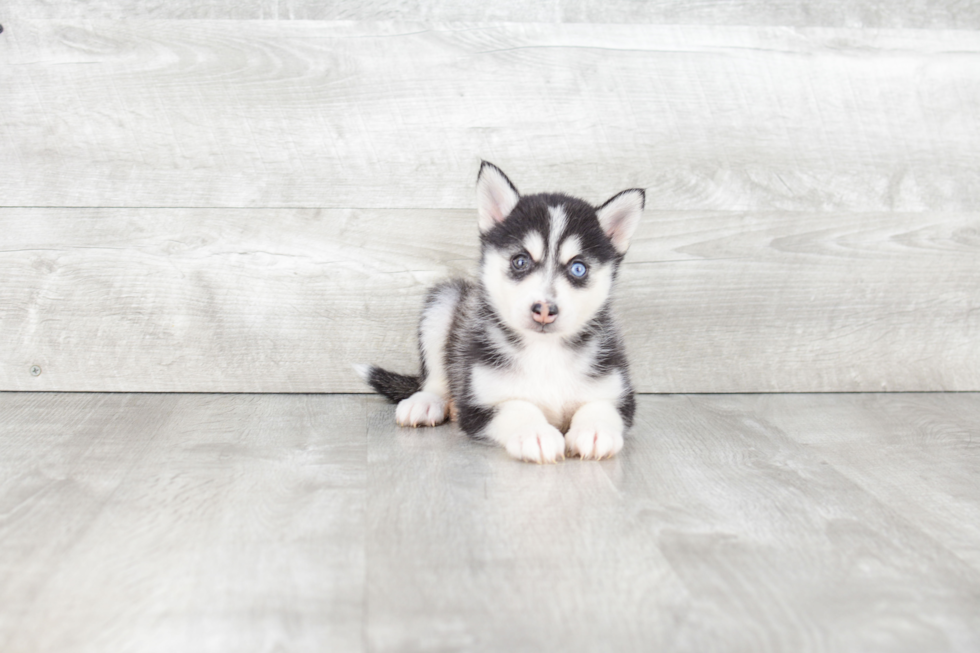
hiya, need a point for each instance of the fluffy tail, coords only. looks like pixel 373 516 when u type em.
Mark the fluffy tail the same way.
pixel 394 386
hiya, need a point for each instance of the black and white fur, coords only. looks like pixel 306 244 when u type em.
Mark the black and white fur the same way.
pixel 529 355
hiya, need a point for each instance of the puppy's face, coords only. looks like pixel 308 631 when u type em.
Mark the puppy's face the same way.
pixel 549 260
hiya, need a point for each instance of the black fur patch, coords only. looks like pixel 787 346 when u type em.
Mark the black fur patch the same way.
pixel 627 408
pixel 474 419
pixel 531 214
pixel 393 386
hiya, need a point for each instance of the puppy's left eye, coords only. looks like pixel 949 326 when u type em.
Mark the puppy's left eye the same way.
pixel 578 269
pixel 520 262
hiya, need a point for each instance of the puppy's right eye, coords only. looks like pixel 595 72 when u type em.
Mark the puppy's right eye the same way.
pixel 520 262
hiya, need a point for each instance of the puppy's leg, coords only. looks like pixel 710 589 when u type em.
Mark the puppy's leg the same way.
pixel 428 406
pixel 596 431
pixel 523 430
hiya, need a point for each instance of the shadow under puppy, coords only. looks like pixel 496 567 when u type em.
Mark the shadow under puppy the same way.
pixel 529 351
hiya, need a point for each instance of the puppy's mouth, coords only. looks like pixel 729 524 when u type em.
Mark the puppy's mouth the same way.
pixel 542 328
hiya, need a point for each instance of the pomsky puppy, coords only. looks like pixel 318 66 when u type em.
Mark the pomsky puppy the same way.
pixel 528 355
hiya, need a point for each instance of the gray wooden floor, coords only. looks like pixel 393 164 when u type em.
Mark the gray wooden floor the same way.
pixel 202 522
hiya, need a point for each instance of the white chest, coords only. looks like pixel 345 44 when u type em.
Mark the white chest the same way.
pixel 550 376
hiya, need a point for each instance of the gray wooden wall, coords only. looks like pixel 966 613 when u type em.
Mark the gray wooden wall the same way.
pixel 216 197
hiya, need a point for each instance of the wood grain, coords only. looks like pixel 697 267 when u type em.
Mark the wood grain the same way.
pixel 758 523
pixel 181 522
pixel 812 194
pixel 712 531
pixel 286 300
pixel 187 113
pixel 898 449
pixel 952 14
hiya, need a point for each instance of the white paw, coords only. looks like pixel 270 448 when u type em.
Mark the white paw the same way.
pixel 537 443
pixel 594 440
pixel 421 409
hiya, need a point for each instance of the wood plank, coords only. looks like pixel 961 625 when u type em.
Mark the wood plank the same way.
pixel 795 303
pixel 711 531
pixel 900 448
pixel 268 522
pixel 181 522
pixel 286 300
pixel 185 113
pixel 856 13
pixel 205 300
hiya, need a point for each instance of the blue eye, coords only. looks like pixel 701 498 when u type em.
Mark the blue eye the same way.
pixel 519 262
pixel 578 270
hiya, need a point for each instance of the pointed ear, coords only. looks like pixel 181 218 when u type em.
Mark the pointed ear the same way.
pixel 496 197
pixel 620 216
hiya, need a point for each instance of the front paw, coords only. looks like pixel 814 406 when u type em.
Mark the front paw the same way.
pixel 594 440
pixel 539 443
pixel 421 409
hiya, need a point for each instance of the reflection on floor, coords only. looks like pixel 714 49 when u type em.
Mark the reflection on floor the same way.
pixel 196 522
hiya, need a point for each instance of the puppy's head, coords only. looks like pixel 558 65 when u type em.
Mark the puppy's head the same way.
pixel 548 261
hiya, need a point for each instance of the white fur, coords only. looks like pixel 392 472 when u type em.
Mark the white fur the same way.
pixel 558 223
pixel 421 409
pixel 524 432
pixel 550 376
pixel 620 217
pixel 534 244
pixel 495 197
pixel 433 332
pixel 363 370
pixel 513 300
pixel 579 305
pixel 596 431
pixel 571 248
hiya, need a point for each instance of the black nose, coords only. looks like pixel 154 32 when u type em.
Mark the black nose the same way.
pixel 544 312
